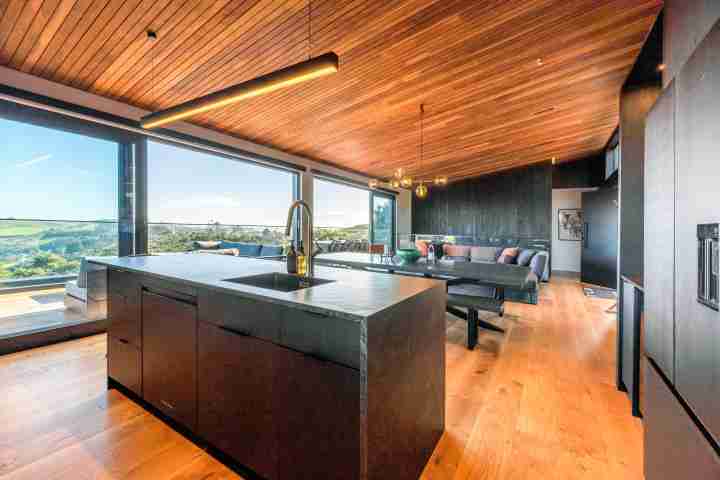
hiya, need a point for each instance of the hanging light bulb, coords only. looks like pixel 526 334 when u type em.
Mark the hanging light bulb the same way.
pixel 399 173
pixel 440 181
pixel 406 182
pixel 373 184
pixel 421 191
pixel 395 183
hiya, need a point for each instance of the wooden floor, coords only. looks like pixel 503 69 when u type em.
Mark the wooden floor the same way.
pixel 537 402
pixel 34 310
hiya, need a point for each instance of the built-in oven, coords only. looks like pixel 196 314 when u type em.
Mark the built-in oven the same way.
pixel 708 257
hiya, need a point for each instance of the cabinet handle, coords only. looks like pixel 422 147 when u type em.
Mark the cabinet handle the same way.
pixel 167 404
pixel 122 340
pixel 242 333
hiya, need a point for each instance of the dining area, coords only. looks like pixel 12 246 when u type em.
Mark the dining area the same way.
pixel 472 286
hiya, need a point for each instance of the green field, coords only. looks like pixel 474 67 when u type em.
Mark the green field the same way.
pixel 20 229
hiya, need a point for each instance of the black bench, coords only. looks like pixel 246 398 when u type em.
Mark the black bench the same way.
pixel 474 304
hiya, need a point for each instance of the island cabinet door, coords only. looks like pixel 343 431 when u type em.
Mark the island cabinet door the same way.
pixel 235 396
pixel 123 364
pixel 124 308
pixel 169 356
pixel 124 318
pixel 317 417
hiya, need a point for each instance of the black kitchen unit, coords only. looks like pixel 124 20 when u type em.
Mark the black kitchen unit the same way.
pixel 344 380
pixel 682 335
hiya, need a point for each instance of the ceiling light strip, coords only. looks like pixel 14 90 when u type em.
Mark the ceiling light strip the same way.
pixel 325 64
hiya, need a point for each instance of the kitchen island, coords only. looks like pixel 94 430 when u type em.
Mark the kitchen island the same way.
pixel 341 379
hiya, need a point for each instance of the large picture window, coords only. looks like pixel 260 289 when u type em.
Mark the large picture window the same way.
pixel 58 200
pixel 349 218
pixel 194 196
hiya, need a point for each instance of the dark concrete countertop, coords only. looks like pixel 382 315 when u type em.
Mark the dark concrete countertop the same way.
pixel 354 294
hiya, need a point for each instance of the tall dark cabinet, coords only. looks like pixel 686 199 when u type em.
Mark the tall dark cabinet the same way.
pixel 660 232
pixel 682 336
pixel 600 242
pixel 697 327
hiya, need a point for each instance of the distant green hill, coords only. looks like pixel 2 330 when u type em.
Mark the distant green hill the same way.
pixel 17 229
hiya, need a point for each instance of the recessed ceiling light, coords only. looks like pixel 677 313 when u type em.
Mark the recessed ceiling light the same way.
pixel 539 62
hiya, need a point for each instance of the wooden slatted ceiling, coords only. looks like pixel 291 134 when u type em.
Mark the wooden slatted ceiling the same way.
pixel 489 104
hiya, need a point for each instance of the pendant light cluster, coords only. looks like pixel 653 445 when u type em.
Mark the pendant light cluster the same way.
pixel 402 180
pixel 325 64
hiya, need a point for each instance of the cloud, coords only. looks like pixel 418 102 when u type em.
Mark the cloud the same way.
pixel 34 160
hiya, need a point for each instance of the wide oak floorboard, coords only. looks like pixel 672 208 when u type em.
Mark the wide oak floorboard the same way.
pixel 536 402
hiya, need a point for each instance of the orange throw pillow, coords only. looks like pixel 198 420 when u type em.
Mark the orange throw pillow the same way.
pixel 508 255
pixel 422 245
pixel 456 250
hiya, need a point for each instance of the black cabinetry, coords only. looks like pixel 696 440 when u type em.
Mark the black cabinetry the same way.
pixel 169 360
pixel 682 418
pixel 697 327
pixel 234 390
pixel 282 413
pixel 659 263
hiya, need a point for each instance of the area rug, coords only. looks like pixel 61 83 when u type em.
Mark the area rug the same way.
pixel 595 292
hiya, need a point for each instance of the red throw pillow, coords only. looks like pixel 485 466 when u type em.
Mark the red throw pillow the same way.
pixel 422 245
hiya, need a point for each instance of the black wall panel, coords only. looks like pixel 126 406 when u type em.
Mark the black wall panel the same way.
pixel 638 95
pixel 585 173
pixel 512 204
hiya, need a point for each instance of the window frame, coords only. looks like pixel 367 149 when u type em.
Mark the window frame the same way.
pixel 393 227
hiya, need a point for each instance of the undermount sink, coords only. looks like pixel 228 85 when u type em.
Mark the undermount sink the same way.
pixel 279 281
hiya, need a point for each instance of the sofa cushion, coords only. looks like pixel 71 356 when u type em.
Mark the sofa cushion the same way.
pixel 525 256
pixel 271 250
pixel 508 255
pixel 450 250
pixel 206 244
pixel 483 254
pixel 244 249
pixel 538 265
pixel 422 245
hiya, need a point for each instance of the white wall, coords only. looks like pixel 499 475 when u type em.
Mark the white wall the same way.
pixel 566 255
pixel 75 96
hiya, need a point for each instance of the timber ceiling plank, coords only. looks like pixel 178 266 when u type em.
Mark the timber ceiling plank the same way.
pixel 490 105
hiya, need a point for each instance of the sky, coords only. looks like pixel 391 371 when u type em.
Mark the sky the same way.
pixel 49 174
pixel 338 205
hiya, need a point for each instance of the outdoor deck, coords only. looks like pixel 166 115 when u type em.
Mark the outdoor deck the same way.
pixel 35 310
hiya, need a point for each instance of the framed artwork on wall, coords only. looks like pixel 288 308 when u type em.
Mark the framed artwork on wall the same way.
pixel 570 224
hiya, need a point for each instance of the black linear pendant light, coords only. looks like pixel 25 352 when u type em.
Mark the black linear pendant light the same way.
pixel 320 66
